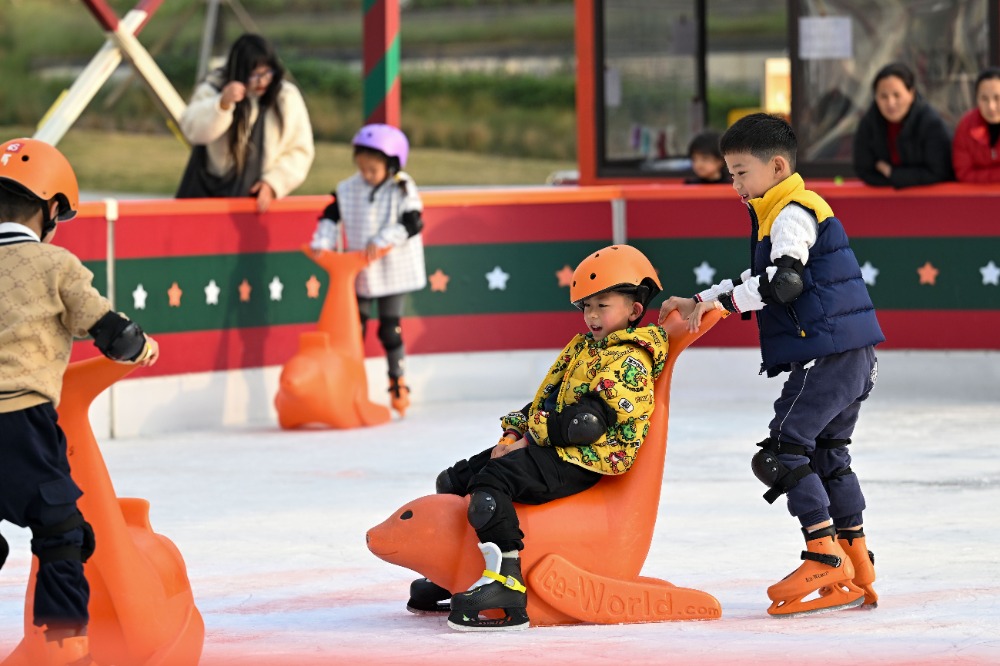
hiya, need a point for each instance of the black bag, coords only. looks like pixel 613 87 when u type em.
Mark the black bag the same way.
pixel 198 182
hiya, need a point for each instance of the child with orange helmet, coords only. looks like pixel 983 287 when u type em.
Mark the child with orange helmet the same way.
pixel 586 420
pixel 47 301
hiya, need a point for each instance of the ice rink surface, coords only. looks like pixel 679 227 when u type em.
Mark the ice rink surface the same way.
pixel 272 527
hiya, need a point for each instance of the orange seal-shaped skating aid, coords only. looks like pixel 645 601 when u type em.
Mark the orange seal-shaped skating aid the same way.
pixel 583 553
pixel 142 610
pixel 325 382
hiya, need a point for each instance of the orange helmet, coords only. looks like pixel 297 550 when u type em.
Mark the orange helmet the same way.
pixel 615 268
pixel 33 167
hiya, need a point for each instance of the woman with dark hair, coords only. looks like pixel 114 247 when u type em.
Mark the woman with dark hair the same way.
pixel 975 153
pixel 901 141
pixel 249 127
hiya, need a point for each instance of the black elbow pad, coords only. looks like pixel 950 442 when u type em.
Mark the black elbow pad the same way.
pixel 332 211
pixel 117 337
pixel 581 423
pixel 786 285
pixel 413 222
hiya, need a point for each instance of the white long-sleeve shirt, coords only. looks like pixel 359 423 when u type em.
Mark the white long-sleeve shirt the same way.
pixel 793 233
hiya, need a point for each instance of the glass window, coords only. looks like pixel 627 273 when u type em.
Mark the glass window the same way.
pixel 839 45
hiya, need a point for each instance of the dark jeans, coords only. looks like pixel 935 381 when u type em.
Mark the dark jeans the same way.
pixel 823 401
pixel 36 491
pixel 532 475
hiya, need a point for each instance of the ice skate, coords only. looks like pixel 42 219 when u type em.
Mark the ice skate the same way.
pixel 853 543
pixel 399 395
pixel 822 583
pixel 501 588
pixel 428 598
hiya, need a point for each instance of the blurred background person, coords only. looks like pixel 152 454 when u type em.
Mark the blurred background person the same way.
pixel 249 127
pixel 901 141
pixel 974 151
pixel 706 160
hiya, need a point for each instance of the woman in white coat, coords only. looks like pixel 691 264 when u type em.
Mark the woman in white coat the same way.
pixel 249 127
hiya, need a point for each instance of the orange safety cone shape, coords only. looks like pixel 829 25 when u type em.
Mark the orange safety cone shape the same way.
pixel 325 382
pixel 142 610
pixel 583 553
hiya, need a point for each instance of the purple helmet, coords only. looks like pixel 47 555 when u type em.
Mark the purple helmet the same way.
pixel 385 138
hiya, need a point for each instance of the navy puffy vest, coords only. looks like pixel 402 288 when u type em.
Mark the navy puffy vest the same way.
pixel 833 314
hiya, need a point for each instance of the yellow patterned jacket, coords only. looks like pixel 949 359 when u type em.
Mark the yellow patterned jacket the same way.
pixel 621 370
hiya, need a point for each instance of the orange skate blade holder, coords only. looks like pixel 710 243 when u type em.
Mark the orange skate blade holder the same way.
pixel 325 382
pixel 816 587
pixel 142 610
pixel 593 543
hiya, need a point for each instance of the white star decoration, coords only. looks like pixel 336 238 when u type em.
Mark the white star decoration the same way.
pixel 276 288
pixel 212 293
pixel 991 273
pixel 497 278
pixel 704 274
pixel 869 273
pixel 139 298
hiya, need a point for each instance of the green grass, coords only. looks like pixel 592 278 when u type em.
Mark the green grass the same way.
pixel 152 164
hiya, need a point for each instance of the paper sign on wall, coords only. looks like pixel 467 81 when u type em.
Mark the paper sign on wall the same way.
pixel 825 38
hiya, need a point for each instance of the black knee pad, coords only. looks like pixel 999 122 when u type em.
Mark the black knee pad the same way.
pixel 482 509
pixel 390 334
pixel 772 472
pixel 444 484
pixel 64 551
pixel 4 550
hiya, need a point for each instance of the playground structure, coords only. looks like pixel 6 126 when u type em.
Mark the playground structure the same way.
pixel 583 554
pixel 142 610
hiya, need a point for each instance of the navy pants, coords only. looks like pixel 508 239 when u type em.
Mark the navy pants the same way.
pixel 532 475
pixel 36 491
pixel 822 400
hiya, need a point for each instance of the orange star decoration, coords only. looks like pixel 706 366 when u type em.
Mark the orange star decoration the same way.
pixel 245 290
pixel 174 294
pixel 312 287
pixel 928 274
pixel 565 275
pixel 438 280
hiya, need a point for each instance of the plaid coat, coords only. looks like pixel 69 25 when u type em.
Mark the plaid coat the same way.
pixel 373 215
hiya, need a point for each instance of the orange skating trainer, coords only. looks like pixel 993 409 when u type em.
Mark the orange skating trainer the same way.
pixel 853 543
pixel 823 582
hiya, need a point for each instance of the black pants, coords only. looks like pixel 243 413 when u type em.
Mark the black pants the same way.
pixel 36 491
pixel 532 475
pixel 390 333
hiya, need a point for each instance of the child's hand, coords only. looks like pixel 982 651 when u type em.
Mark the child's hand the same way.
pixel 150 354
pixel 373 251
pixel 685 306
pixel 694 319
pixel 507 444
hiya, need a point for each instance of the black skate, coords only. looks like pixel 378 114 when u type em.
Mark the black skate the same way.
pixel 426 598
pixel 501 588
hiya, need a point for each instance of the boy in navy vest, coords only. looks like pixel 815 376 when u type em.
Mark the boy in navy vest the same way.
pixel 816 321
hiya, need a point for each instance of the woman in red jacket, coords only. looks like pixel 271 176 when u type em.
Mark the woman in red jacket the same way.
pixel 975 152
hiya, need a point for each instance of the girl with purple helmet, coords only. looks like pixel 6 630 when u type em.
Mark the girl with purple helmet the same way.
pixel 379 211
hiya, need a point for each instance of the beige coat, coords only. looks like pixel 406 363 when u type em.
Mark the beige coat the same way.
pixel 288 148
pixel 46 299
